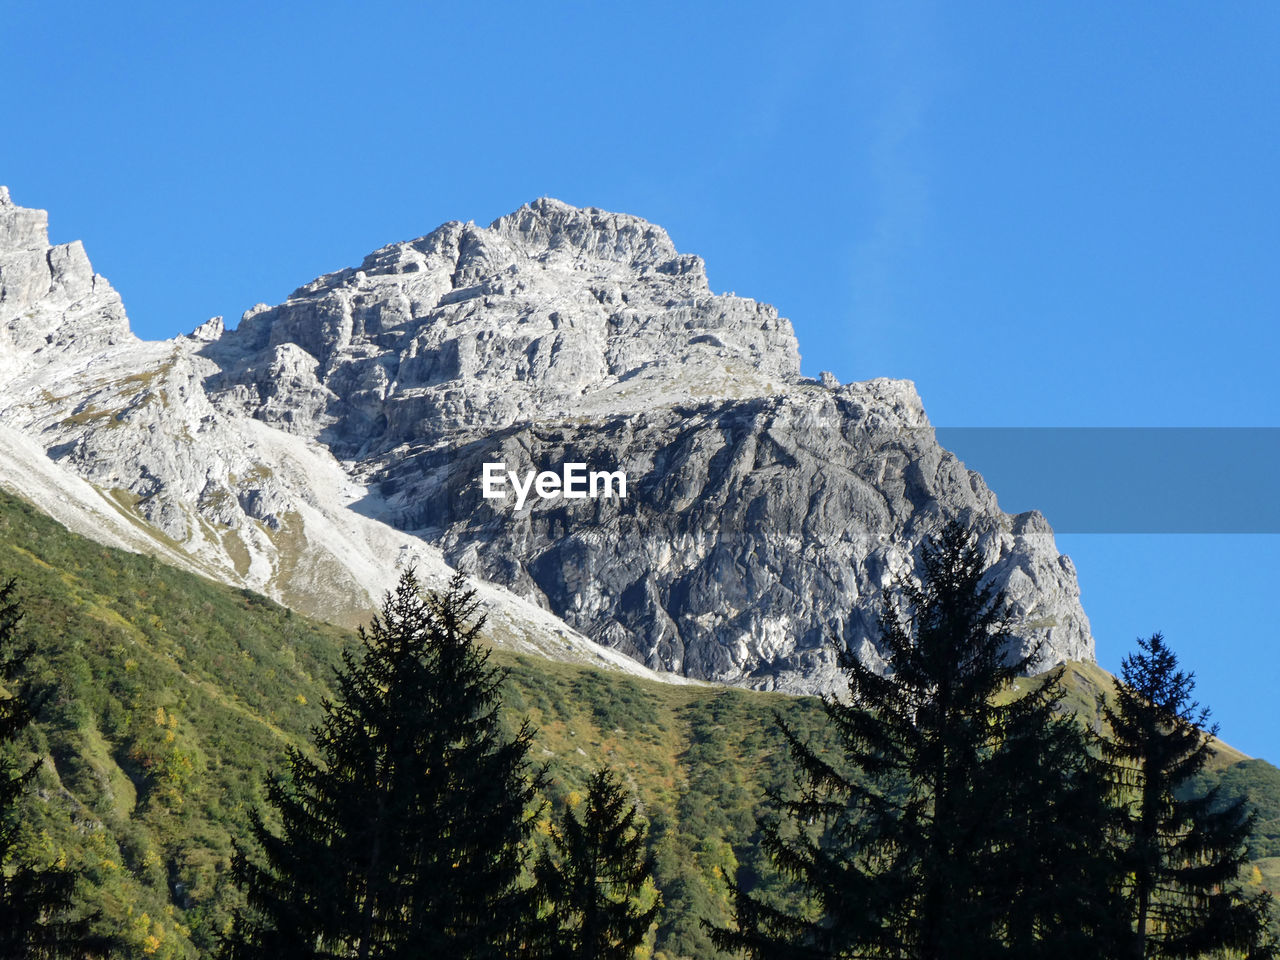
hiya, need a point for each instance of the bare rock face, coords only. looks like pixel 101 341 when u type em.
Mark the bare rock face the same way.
pixel 754 530
pixel 548 311
pixel 767 513
pixel 51 301
pixel 118 439
pixel 349 426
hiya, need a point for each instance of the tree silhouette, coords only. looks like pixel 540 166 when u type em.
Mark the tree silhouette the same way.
pixel 1182 854
pixel 592 876
pixel 1052 879
pixel 405 836
pixel 918 837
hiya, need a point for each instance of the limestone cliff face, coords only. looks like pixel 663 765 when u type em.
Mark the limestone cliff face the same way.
pixel 51 301
pixel 754 530
pixel 551 311
pixel 119 440
pixel 765 512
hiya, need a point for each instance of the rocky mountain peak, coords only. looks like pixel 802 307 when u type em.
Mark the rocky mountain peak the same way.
pixel 209 331
pixel 20 228
pixel 51 301
pixel 303 451
pixel 550 229
pixel 550 311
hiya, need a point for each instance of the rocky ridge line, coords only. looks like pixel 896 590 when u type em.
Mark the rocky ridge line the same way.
pixel 117 439
pixel 764 503
pixel 770 511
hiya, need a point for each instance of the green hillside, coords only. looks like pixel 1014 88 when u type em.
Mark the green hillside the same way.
pixel 172 698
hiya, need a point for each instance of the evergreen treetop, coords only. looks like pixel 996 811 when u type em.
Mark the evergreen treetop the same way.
pixel 405 835
pixel 909 840
pixel 1183 855
pixel 593 876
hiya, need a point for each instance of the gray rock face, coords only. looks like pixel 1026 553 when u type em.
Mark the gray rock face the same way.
pixel 305 451
pixel 766 512
pixel 51 301
pixel 752 532
pixel 549 311
pixel 117 439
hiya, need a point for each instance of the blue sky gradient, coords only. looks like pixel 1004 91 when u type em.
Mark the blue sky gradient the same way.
pixel 1057 214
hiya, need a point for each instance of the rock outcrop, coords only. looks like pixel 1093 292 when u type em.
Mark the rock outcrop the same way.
pixel 753 530
pixel 117 439
pixel 51 301
pixel 550 311
pixel 765 512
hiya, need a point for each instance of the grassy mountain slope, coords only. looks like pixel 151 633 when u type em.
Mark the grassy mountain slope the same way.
pixel 171 698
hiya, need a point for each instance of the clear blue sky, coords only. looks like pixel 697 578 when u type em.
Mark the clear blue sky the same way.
pixel 1044 214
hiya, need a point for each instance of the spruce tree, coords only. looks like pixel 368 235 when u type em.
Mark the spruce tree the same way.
pixel 901 840
pixel 1182 854
pixel 405 835
pixel 1052 879
pixel 591 878
pixel 35 902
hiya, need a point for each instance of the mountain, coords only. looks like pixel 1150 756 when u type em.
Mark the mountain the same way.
pixel 320 442
pixel 118 439
pixel 308 452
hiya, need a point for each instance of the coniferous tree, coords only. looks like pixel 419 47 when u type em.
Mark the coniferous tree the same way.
pixel 1052 878
pixel 903 838
pixel 35 902
pixel 1182 854
pixel 592 877
pixel 405 836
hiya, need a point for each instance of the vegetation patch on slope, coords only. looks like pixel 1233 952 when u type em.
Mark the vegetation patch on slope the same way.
pixel 173 698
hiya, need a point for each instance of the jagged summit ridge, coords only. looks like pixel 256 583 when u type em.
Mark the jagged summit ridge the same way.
pixel 328 436
pixel 550 311
pixel 545 231
pixel 558 334
pixel 551 227
pixel 51 301
pixel 118 439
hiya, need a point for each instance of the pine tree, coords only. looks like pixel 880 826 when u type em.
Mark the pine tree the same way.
pixel 902 840
pixel 1183 855
pixel 35 902
pixel 1052 878
pixel 406 835
pixel 592 877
